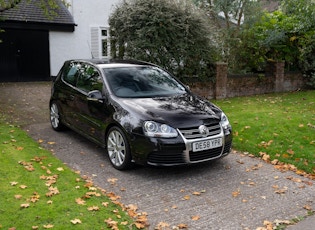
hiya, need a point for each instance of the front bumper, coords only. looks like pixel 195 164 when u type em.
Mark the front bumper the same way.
pixel 178 151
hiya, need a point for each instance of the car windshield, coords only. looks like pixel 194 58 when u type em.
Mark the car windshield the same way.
pixel 141 82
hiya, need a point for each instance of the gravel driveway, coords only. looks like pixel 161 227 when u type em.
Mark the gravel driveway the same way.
pixel 236 192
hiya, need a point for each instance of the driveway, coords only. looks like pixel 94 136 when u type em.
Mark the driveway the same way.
pixel 236 192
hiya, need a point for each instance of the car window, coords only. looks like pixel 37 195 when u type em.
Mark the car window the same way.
pixel 71 73
pixel 89 78
pixel 142 81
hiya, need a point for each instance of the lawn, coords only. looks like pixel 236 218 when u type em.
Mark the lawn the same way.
pixel 39 192
pixel 279 126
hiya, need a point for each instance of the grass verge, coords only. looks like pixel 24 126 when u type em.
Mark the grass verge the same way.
pixel 39 192
pixel 277 127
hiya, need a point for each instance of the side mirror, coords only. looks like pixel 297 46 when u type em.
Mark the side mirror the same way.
pixel 95 95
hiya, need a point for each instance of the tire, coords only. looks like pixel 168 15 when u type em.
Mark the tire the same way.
pixel 55 118
pixel 118 149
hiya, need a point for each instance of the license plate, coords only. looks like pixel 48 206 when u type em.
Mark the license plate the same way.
pixel 205 145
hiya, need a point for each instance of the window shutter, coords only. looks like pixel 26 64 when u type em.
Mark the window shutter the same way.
pixel 95 49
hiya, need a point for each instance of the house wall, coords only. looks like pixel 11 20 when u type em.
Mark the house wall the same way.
pixel 86 14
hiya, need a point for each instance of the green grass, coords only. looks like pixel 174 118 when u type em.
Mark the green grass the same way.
pixel 279 125
pixel 28 172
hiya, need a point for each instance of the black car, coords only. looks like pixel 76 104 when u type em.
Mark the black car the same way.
pixel 138 112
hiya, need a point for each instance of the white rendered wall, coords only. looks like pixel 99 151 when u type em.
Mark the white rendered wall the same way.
pixel 67 45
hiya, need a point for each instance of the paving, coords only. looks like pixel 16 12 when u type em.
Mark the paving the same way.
pixel 236 192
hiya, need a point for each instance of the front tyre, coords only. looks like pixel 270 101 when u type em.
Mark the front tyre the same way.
pixel 118 149
pixel 55 117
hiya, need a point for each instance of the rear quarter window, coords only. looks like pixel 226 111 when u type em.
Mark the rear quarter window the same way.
pixel 70 75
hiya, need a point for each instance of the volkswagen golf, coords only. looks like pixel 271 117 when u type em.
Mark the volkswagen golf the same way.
pixel 139 113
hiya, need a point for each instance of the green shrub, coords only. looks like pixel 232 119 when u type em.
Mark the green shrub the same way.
pixel 169 33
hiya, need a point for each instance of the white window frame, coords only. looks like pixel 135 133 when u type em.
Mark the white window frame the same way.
pixel 97 42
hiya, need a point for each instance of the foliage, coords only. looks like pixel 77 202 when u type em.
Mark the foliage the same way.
pixel 233 12
pixel 268 39
pixel 38 191
pixel 286 34
pixel 229 16
pixel 7 4
pixel 303 11
pixel 169 33
pixel 280 126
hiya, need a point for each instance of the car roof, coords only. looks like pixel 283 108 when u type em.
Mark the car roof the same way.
pixel 112 62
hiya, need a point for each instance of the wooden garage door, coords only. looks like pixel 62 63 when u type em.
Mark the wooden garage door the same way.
pixel 24 55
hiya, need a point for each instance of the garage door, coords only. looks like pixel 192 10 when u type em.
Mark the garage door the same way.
pixel 24 55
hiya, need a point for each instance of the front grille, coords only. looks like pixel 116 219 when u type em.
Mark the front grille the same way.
pixel 163 158
pixel 205 155
pixel 193 132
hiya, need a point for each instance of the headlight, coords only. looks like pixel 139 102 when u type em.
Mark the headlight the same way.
pixel 224 121
pixel 154 129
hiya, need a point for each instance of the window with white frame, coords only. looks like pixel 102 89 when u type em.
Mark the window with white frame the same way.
pixel 100 45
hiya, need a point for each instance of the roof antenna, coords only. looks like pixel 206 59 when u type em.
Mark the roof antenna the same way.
pixel 90 49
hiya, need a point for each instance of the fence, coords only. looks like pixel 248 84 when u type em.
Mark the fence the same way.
pixel 274 80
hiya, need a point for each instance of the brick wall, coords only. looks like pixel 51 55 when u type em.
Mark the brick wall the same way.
pixel 275 79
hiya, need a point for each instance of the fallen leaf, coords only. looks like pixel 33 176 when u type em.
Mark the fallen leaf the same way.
pixel 48 226
pixel 281 191
pixel 24 205
pixel 52 191
pixel 182 226
pixel 111 223
pixel 80 201
pixel 298 180
pixel 307 207
pixel 17 197
pixel 124 223
pixel 195 218
pixel 132 207
pixel 162 225
pixel 187 197
pixel 35 198
pixel 290 151
pixel 112 181
pixel 13 183
pixel 23 186
pixel 236 193
pixel 268 225
pixel 76 221
pixel 105 204
pixel 93 208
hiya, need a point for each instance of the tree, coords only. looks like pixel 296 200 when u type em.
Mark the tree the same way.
pixel 302 13
pixel 229 17
pixel 169 33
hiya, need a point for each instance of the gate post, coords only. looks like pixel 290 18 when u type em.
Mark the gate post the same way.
pixel 276 70
pixel 221 80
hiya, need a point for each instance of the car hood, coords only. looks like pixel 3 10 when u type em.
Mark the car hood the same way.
pixel 177 111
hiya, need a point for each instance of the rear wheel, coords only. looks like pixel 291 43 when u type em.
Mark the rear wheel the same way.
pixel 55 121
pixel 118 149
